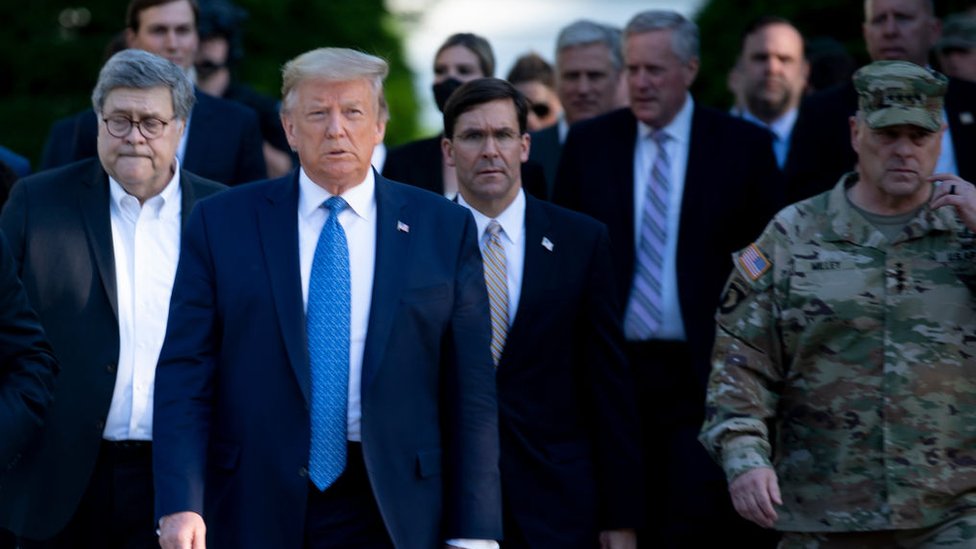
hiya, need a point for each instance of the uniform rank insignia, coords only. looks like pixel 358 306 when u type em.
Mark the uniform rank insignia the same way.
pixel 753 262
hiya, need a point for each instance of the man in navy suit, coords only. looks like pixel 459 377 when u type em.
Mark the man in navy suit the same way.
pixel 680 187
pixel 567 417
pixel 222 140
pixel 96 244
pixel 246 456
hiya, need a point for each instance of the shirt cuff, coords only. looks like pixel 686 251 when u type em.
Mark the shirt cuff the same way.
pixel 473 543
pixel 744 453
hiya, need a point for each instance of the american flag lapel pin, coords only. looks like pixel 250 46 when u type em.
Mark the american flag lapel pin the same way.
pixel 403 227
pixel 546 243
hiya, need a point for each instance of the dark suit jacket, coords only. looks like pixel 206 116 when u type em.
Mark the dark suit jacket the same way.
pixel 821 152
pixel 545 151
pixel 570 464
pixel 27 366
pixel 231 425
pixel 419 163
pixel 732 189
pixel 60 231
pixel 224 143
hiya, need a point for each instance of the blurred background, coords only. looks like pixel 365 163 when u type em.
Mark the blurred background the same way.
pixel 52 50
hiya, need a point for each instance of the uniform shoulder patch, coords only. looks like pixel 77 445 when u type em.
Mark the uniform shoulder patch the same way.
pixel 753 262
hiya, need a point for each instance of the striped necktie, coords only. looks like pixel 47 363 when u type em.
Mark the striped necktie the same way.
pixel 327 326
pixel 496 279
pixel 644 308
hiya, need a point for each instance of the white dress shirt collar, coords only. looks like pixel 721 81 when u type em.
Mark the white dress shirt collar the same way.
pixel 512 219
pixel 164 204
pixel 680 127
pixel 360 197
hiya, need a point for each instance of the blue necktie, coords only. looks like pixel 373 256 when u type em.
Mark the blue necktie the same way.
pixel 645 307
pixel 327 327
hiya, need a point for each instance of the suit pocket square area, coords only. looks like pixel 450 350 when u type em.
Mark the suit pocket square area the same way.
pixel 428 463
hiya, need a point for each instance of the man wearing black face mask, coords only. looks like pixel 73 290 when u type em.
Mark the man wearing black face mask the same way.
pixel 219 51
pixel 461 58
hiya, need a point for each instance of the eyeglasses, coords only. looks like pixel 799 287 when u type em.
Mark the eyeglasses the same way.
pixel 120 126
pixel 540 109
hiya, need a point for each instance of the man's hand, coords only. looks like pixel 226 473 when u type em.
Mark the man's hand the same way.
pixel 182 531
pixel 753 495
pixel 618 539
pixel 958 193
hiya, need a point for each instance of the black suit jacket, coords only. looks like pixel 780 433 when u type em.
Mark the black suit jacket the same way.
pixel 732 189
pixel 59 228
pixel 224 143
pixel 567 417
pixel 419 163
pixel 27 366
pixel 545 151
pixel 820 149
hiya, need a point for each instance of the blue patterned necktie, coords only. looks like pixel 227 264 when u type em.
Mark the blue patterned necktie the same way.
pixel 327 327
pixel 644 309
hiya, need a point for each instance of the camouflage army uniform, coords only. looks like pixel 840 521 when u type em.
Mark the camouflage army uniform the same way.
pixel 848 364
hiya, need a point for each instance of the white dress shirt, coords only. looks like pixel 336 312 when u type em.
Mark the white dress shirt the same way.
pixel 947 155
pixel 645 153
pixel 359 223
pixel 512 221
pixel 146 246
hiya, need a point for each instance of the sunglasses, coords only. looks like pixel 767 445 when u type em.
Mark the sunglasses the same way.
pixel 540 109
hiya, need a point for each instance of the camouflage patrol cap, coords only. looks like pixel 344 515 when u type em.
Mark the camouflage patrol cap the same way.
pixel 958 32
pixel 898 92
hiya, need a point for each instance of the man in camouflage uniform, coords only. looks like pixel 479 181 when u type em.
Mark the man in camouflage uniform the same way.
pixel 842 400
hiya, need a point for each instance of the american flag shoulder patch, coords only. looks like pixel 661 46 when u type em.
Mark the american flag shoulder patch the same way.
pixel 753 262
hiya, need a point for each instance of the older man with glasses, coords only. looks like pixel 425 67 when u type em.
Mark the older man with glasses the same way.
pixel 96 243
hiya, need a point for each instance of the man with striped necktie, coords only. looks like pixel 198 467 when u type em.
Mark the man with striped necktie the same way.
pixel 568 422
pixel 680 188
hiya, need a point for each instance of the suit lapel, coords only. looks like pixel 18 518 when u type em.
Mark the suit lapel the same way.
pixel 392 245
pixel 94 201
pixel 278 227
pixel 537 272
pixel 188 197
pixel 197 140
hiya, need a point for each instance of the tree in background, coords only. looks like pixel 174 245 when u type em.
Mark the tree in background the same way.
pixel 721 23
pixel 53 51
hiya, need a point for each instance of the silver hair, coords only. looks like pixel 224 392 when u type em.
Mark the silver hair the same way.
pixel 142 70
pixel 585 32
pixel 334 65
pixel 685 42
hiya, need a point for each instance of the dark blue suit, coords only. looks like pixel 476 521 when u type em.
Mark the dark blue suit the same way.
pixel 569 438
pixel 732 188
pixel 224 143
pixel 231 424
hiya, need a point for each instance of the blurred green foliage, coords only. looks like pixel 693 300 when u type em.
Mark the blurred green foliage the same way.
pixel 721 23
pixel 54 49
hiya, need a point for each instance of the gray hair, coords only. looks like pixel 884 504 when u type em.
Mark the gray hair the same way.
pixel 585 32
pixel 685 42
pixel 334 65
pixel 142 70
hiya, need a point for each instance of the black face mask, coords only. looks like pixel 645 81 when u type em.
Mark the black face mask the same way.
pixel 443 91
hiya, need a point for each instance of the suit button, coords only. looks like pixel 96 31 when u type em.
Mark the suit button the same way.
pixel 110 367
pixel 302 472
